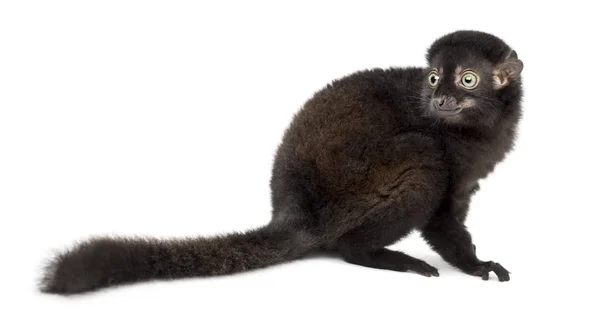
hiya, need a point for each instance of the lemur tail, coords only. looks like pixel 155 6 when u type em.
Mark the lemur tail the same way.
pixel 103 262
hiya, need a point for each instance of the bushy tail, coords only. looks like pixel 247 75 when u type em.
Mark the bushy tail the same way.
pixel 103 262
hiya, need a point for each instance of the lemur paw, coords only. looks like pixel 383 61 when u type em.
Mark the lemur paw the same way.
pixel 422 268
pixel 484 269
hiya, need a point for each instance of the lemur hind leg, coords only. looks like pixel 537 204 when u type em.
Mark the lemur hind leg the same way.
pixel 389 260
pixel 410 206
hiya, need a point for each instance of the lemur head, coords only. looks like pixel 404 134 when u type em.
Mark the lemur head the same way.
pixel 473 79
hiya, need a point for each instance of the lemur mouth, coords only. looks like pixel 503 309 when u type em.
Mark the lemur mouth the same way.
pixel 446 106
pixel 446 113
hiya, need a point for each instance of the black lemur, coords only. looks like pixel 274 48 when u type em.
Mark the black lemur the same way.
pixel 368 159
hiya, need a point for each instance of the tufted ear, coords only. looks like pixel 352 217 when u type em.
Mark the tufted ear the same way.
pixel 508 70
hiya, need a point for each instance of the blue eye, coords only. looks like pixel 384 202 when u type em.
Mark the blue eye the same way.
pixel 433 79
pixel 469 80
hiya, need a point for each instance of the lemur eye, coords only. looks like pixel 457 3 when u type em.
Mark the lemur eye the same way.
pixel 433 79
pixel 469 80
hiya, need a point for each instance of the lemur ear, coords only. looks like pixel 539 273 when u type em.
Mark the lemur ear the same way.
pixel 508 70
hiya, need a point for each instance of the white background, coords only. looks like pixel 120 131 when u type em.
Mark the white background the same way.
pixel 162 118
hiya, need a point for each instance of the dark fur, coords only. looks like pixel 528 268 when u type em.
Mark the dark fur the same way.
pixel 366 160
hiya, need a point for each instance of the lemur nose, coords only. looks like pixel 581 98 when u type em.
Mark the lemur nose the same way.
pixel 445 103
pixel 439 103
